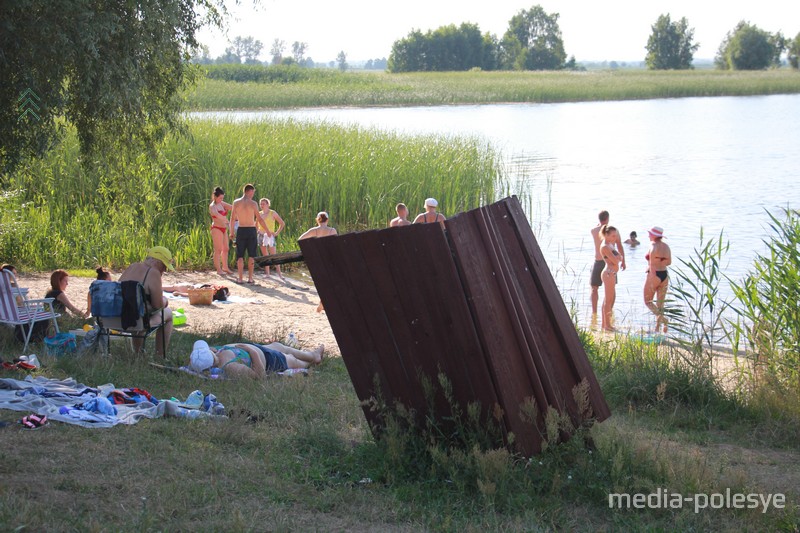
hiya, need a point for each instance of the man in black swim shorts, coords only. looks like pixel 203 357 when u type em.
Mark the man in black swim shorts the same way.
pixel 595 280
pixel 245 212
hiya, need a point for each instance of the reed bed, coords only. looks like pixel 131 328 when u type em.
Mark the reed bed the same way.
pixel 59 213
pixel 442 88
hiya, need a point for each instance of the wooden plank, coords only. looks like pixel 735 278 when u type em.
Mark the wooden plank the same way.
pixel 322 257
pixel 512 378
pixel 561 319
pixel 279 259
pixel 461 355
pixel 535 317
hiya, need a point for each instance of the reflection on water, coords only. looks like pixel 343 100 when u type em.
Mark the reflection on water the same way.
pixel 715 164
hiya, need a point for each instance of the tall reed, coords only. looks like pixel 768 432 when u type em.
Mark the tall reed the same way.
pixel 329 88
pixel 768 301
pixel 58 212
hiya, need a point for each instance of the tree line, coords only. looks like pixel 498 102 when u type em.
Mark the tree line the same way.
pixel 533 41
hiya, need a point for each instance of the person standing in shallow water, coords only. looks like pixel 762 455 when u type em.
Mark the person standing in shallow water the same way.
pixel 612 260
pixel 659 257
pixel 595 280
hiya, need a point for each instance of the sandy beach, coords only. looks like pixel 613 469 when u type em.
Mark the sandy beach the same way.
pixel 271 308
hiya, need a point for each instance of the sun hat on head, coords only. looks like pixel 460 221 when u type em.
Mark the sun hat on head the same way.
pixel 656 231
pixel 202 357
pixel 162 254
pixel 431 202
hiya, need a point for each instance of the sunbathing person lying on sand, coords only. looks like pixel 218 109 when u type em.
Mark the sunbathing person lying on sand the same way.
pixel 243 359
pixel 181 289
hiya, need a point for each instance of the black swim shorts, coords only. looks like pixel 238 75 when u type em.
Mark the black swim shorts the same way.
pixel 275 360
pixel 597 271
pixel 246 239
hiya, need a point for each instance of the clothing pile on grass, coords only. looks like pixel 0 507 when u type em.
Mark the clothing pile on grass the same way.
pixel 100 407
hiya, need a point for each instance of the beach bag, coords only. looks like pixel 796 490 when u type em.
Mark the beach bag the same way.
pixel 60 344
pixel 221 292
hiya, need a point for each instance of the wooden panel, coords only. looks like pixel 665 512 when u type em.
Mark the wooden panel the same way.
pixel 475 302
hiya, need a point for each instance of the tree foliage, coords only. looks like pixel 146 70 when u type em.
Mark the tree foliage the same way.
pixel 448 48
pixel 112 69
pixel 748 47
pixel 247 48
pixel 534 41
pixel 794 52
pixel 276 51
pixel 341 61
pixel 671 45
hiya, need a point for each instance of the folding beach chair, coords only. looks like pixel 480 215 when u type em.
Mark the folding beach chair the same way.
pixel 109 303
pixel 28 313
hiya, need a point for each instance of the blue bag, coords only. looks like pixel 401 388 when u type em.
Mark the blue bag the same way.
pixel 60 344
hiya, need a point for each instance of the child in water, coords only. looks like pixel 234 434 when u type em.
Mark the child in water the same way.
pixel 632 241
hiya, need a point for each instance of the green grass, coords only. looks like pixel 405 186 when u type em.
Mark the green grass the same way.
pixel 110 214
pixel 331 88
pixel 309 462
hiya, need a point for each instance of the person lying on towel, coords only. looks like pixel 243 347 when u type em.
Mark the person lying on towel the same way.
pixel 243 359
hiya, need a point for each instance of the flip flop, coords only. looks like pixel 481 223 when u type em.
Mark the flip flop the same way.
pixel 34 421
pixel 238 282
pixel 251 282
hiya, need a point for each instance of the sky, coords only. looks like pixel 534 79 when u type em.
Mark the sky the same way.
pixel 614 30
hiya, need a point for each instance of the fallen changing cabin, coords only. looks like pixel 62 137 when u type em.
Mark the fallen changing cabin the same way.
pixel 474 301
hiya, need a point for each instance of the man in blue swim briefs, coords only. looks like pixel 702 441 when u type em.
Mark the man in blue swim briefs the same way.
pixel 244 359
pixel 595 280
pixel 245 212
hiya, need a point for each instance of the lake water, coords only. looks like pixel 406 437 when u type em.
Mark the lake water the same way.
pixel 683 164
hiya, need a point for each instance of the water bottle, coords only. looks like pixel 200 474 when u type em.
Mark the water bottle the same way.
pixel 291 340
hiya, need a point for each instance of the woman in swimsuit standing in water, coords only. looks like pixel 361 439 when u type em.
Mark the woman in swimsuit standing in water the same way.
pixel 219 209
pixel 659 257
pixel 609 275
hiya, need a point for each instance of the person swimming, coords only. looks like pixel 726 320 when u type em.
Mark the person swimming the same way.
pixel 632 241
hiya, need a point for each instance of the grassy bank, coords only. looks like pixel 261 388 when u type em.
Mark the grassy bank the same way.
pixel 305 459
pixel 331 88
pixel 56 213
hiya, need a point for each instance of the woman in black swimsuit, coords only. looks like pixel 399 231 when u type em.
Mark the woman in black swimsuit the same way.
pixel 430 215
pixel 659 257
pixel 609 275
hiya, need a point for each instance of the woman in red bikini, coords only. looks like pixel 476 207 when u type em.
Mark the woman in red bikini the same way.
pixel 219 209
pixel 659 257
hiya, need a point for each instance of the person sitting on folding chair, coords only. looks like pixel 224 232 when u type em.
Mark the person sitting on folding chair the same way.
pixel 148 273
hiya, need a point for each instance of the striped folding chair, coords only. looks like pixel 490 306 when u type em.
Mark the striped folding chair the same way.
pixel 28 312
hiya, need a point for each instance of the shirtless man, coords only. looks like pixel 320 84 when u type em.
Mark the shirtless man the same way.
pixel 245 212
pixel 597 269
pixel 148 273
pixel 402 216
